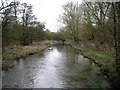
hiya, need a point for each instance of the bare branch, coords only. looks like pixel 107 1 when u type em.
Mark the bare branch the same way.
pixel 4 7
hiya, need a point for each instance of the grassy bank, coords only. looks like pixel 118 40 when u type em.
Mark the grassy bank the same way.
pixel 104 60
pixel 14 52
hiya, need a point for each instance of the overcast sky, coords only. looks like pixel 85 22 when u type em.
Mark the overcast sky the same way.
pixel 48 11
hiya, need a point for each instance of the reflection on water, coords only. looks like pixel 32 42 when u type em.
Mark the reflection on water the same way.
pixel 53 69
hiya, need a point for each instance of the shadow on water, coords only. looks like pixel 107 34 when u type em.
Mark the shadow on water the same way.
pixel 57 67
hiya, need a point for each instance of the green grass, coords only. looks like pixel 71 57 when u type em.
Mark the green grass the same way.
pixel 8 56
pixel 7 59
pixel 105 59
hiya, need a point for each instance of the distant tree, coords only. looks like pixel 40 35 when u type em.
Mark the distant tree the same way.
pixel 72 18
pixel 26 19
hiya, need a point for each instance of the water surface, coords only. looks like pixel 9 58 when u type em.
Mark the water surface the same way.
pixel 57 67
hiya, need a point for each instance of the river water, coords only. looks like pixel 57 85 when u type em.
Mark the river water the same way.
pixel 58 66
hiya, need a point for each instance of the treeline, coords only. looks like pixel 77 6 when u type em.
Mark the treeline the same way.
pixel 19 24
pixel 95 25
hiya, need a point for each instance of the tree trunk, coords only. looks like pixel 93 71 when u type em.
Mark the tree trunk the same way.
pixel 116 18
pixel 118 33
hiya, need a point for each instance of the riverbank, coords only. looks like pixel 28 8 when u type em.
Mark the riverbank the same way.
pixel 104 60
pixel 57 67
pixel 11 53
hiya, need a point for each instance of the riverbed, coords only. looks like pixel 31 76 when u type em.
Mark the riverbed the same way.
pixel 59 66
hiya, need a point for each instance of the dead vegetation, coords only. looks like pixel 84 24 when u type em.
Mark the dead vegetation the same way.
pixel 14 52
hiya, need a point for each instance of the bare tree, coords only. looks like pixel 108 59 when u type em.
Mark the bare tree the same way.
pixel 71 18
pixel 5 4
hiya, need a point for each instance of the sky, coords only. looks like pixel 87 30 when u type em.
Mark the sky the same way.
pixel 48 11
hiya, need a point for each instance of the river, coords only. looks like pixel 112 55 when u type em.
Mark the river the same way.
pixel 59 66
